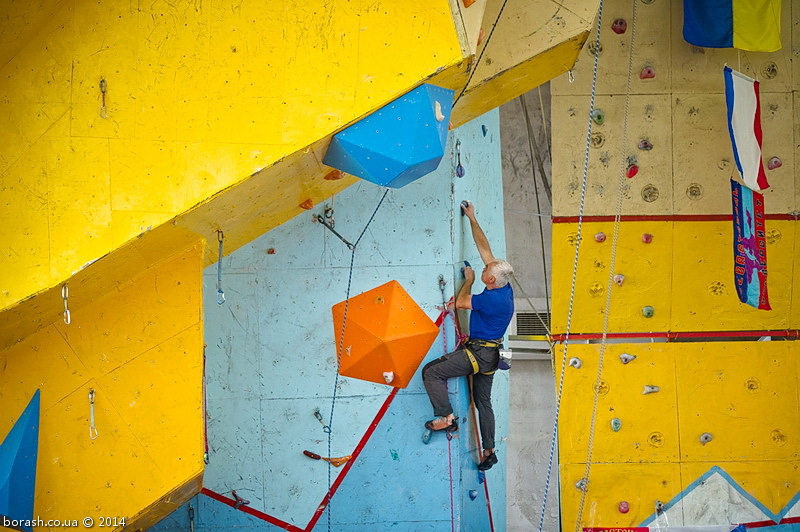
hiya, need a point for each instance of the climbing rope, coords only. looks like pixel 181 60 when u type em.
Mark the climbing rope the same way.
pixel 329 426
pixel 480 56
pixel 560 387
pixel 612 265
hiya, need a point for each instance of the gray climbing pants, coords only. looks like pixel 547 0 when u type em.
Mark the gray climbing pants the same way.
pixel 457 364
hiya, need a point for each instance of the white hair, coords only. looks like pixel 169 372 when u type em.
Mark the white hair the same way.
pixel 502 272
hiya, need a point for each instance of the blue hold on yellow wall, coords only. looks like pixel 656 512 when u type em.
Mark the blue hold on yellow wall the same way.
pixel 18 454
pixel 399 143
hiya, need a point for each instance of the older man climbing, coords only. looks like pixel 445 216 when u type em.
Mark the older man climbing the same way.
pixel 491 312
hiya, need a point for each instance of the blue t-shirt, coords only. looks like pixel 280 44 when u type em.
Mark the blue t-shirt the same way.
pixel 492 311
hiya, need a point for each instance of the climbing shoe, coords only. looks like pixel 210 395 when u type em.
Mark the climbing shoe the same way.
pixel 488 462
pixel 441 423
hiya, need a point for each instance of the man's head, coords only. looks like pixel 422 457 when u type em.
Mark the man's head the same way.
pixel 497 274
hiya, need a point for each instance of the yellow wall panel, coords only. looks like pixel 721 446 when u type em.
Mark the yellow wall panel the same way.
pixel 649 423
pixel 140 348
pixel 649 192
pixel 647 269
pixel 745 395
pixel 640 485
pixel 703 291
pixel 651 31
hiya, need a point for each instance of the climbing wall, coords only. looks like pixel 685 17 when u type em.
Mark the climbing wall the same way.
pixel 698 425
pixel 271 365
pixel 137 452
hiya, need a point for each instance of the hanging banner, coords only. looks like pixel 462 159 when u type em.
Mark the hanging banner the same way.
pixel 749 246
pixel 744 125
pixel 752 25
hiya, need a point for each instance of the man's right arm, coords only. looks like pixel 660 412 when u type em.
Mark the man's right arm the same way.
pixel 481 242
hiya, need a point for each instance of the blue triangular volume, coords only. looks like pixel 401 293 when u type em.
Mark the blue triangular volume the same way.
pixel 18 467
pixel 399 143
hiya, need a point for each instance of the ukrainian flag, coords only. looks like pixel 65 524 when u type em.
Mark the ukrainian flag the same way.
pixel 752 25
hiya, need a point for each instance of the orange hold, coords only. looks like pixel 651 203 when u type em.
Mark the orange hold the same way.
pixel 468 3
pixel 385 331
pixel 333 175
pixel 307 204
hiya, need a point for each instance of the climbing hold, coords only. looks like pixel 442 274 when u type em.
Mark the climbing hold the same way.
pixel 616 424
pixel 597 140
pixel 647 238
pixel 388 376
pixel 460 170
pixel 239 500
pixel 481 477
pixel 625 357
pixel 473 494
pixel 464 205
pixel 659 506
pixel 481 35
pixel 333 175
pixel 307 204
pixel 484 129
pixel 774 163
pixel 645 145
pixel 468 3
pixel 619 279
pixel 648 311
pixel 582 484
pixel 649 193
pixel 437 107
pixel 619 26
pixel 600 237
pixel 623 507
pixel 650 389
pixel 706 437
pixel 598 116
pixel 575 362
pixel 647 73
pixel 632 170
pixel 271 251
pixel 313 456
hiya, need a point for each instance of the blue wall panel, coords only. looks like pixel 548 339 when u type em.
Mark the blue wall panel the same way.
pixel 271 362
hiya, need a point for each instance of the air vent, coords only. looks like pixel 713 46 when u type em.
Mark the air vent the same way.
pixel 532 323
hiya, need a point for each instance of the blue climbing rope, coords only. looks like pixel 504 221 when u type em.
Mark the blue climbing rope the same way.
pixel 329 430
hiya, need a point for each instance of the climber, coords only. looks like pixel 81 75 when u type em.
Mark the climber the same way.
pixel 478 355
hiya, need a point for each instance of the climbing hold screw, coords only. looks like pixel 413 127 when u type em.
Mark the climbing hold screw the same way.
pixel 650 389
pixel 632 170
pixel 645 145
pixel 575 362
pixel 616 424
pixel 774 163
pixel 473 494
pixel 619 279
pixel 648 311
pixel 625 357
pixel 647 73
pixel 647 238
pixel 659 506
pixel 706 437
pixel 619 26
pixel 598 116
pixel 623 507
pixel 600 237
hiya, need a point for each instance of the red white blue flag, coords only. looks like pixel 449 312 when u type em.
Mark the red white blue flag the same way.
pixel 744 125
pixel 749 246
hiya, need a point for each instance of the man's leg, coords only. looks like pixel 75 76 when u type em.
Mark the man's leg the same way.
pixel 435 375
pixel 482 396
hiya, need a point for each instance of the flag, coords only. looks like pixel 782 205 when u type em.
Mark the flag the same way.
pixel 749 247
pixel 752 25
pixel 744 126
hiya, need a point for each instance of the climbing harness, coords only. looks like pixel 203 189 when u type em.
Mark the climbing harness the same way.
pixel 480 56
pixel 92 429
pixel 220 293
pixel 339 350
pixel 560 387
